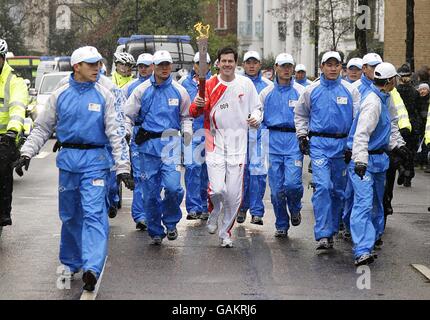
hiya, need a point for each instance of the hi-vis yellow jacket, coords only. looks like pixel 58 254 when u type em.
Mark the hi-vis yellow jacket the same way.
pixel 427 132
pixel 119 80
pixel 13 101
pixel 402 112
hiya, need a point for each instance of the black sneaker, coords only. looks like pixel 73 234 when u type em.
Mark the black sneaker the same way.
pixel 172 234
pixel 241 217
pixel 379 243
pixel 192 216
pixel 296 219
pixel 257 220
pixel 324 244
pixel 6 221
pixel 113 211
pixel 90 280
pixel 407 183
pixel 364 259
pixel 141 225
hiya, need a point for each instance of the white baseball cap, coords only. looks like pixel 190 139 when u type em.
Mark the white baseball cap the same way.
pixel 385 70
pixel 86 54
pixel 372 59
pixel 331 54
pixel 355 62
pixel 300 67
pixel 284 58
pixel 145 58
pixel 162 56
pixel 197 58
pixel 251 54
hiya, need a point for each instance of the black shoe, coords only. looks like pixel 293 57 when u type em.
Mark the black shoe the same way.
pixel 241 217
pixel 257 220
pixel 401 180
pixel 113 211
pixel 407 183
pixel 5 222
pixel 296 219
pixel 379 243
pixel 364 259
pixel 172 234
pixel 90 280
pixel 325 243
pixel 141 225
pixel 192 216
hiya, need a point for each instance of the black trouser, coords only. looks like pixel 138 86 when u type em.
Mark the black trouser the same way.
pixel 412 141
pixel 7 157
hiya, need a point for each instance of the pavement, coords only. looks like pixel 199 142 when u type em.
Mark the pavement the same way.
pixel 195 267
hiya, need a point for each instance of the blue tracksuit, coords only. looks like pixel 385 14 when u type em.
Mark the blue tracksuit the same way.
pixel 364 87
pixel 285 158
pixel 327 107
pixel 255 173
pixel 369 192
pixel 87 114
pixel 196 174
pixel 304 82
pixel 137 211
pixel 157 108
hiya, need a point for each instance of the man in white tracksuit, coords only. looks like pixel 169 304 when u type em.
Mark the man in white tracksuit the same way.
pixel 230 106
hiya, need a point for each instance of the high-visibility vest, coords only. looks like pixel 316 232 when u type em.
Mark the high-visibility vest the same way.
pixel 119 80
pixel 427 132
pixel 402 112
pixel 13 101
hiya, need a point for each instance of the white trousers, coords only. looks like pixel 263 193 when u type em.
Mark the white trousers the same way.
pixel 225 190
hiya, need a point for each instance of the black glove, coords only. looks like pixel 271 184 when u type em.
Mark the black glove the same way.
pixel 304 145
pixel 57 146
pixel 23 161
pixel 360 169
pixel 347 156
pixel 402 152
pixel 405 132
pixel 127 179
pixel 188 137
pixel 127 138
pixel 9 138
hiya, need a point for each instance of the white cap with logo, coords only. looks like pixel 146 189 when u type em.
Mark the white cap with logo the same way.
pixel 86 54
pixel 372 59
pixel 145 58
pixel 162 56
pixel 284 58
pixel 251 54
pixel 385 70
pixel 329 55
pixel 300 67
pixel 355 62
pixel 197 58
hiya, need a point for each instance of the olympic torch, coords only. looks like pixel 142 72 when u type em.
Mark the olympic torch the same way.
pixel 202 44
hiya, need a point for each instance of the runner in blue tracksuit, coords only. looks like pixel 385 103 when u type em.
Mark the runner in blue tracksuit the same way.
pixel 87 119
pixel 161 105
pixel 325 114
pixel 374 132
pixel 285 158
pixel 255 173
pixel 196 173
pixel 369 63
pixel 354 70
pixel 145 68
pixel 300 75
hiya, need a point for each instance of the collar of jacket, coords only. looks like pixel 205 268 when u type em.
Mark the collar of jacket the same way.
pixel 164 84
pixel 330 83
pixel 7 69
pixel 82 86
pixel 382 95
pixel 143 79
pixel 283 86
pixel 303 81
pixel 257 78
pixel 366 80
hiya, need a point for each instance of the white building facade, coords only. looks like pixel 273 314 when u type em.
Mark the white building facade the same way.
pixel 274 26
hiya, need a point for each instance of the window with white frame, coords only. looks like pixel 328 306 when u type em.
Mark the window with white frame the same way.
pixel 222 14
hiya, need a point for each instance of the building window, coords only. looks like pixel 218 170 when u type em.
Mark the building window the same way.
pixel 245 28
pixel 282 30
pixel 249 4
pixel 259 29
pixel 297 29
pixel 222 14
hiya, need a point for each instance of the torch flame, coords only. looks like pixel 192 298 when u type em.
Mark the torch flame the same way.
pixel 202 30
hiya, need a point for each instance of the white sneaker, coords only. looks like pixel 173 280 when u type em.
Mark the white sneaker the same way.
pixel 212 228
pixel 227 243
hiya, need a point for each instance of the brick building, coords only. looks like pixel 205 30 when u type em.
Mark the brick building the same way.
pixel 395 32
pixel 225 20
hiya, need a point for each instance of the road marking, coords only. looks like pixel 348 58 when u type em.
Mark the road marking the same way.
pixel 86 295
pixel 422 269
pixel 42 155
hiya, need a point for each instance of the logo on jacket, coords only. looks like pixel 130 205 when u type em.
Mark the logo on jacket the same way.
pixel 94 107
pixel 342 100
pixel 173 102
pixel 224 106
pixel 318 162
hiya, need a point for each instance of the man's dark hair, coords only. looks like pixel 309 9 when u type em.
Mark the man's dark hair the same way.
pixel 227 50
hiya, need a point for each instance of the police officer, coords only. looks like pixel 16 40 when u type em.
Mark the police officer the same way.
pixel 196 172
pixel 86 121
pixel 161 105
pixel 13 101
pixel 325 113
pixel 373 132
pixel 285 158
pixel 255 174
pixel 124 63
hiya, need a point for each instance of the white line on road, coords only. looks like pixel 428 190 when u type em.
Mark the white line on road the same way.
pixel 86 295
pixel 42 155
pixel 422 269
